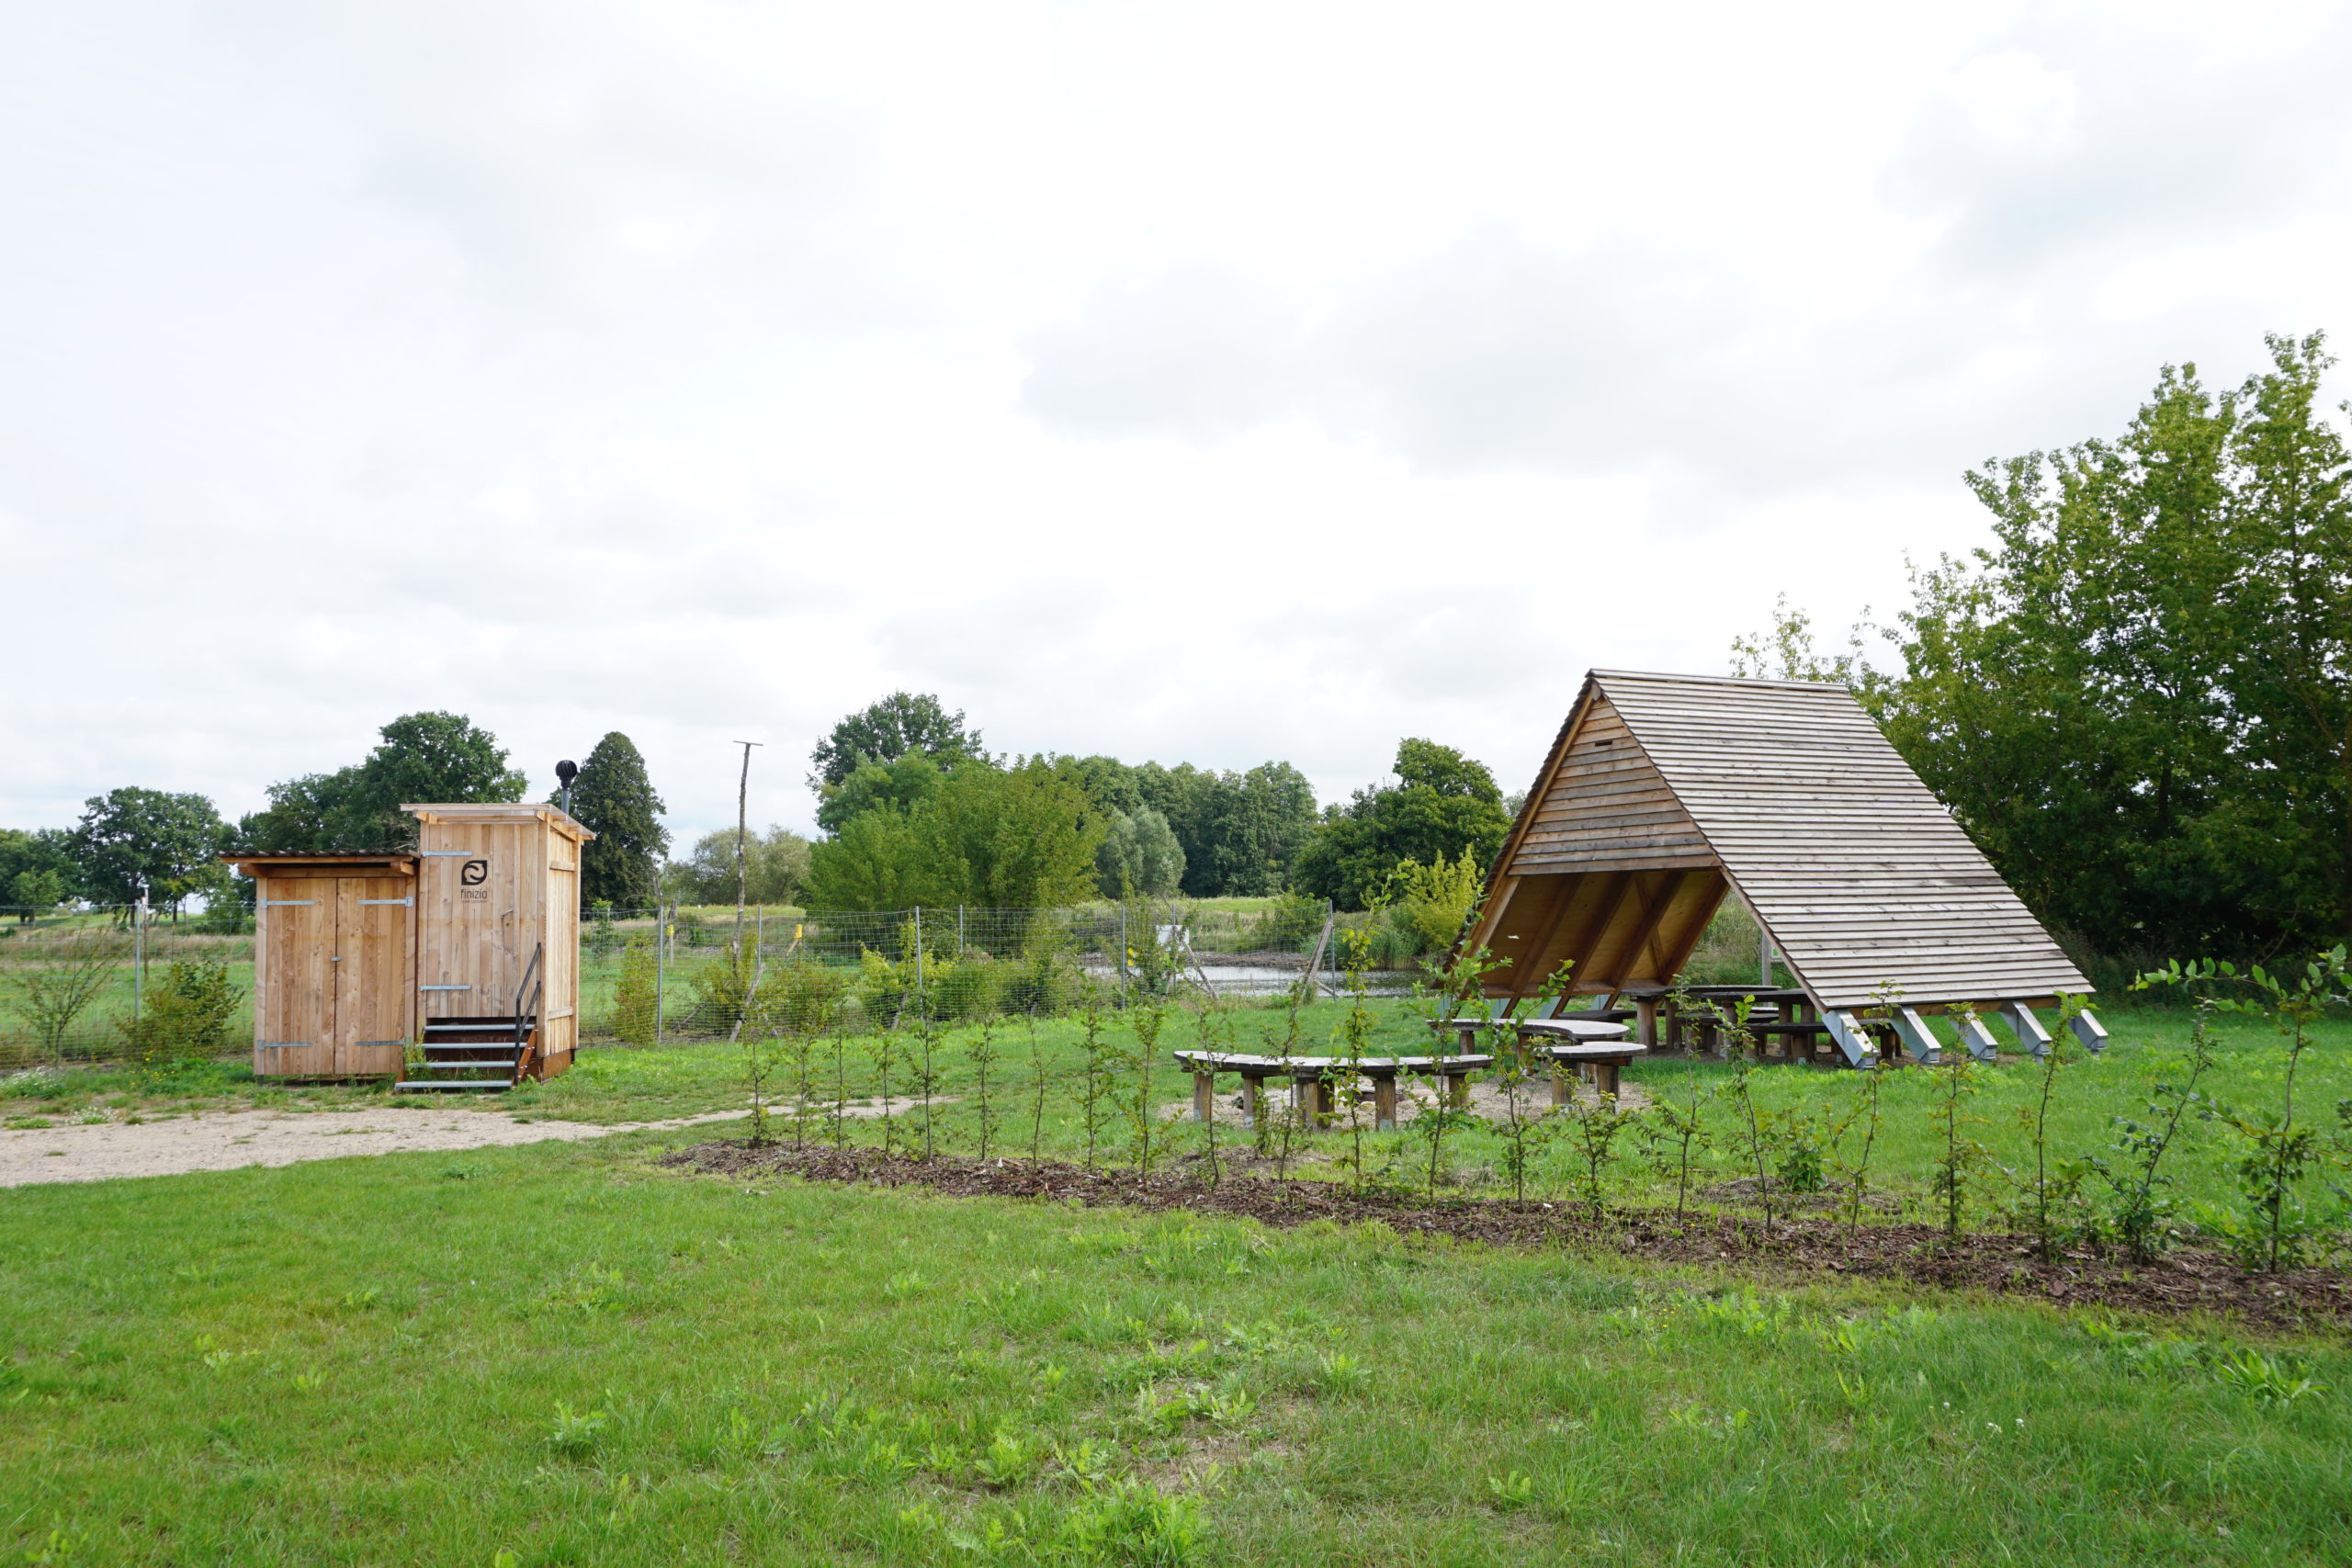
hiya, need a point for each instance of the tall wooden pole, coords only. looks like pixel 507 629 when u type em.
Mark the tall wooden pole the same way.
pixel 743 821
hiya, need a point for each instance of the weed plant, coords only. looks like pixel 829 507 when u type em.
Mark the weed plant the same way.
pixel 1960 1157
pixel 2277 1153
pixel 1146 1024
pixel 1751 1127
pixel 1095 1088
pixel 1037 1081
pixel 981 1053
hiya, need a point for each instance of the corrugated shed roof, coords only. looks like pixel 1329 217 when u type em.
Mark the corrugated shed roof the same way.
pixel 1853 865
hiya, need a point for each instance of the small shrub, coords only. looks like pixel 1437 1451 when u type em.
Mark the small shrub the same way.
pixel 1431 902
pixel 186 1020
pixel 962 990
pixel 634 994
pixel 882 987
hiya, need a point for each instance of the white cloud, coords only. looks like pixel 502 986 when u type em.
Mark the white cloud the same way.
pixel 1209 383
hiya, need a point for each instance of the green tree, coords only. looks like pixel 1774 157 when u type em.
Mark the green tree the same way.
pixel 903 784
pixel 900 723
pixel 1138 854
pixel 1241 833
pixel 134 839
pixel 775 868
pixel 876 862
pixel 421 756
pixel 1442 805
pixel 35 869
pixel 613 799
pixel 1012 838
pixel 2139 701
pixel 1008 838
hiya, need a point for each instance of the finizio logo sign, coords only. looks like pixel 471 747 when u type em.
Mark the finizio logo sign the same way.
pixel 471 877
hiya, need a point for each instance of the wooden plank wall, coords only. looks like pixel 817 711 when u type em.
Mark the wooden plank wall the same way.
pixel 1607 805
pixel 560 1033
pixel 481 935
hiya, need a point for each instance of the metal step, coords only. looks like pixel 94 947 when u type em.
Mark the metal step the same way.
pixel 480 1086
pixel 450 1064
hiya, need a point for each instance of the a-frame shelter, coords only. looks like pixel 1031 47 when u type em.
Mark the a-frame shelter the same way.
pixel 1664 794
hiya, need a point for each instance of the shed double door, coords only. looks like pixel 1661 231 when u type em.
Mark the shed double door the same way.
pixel 339 983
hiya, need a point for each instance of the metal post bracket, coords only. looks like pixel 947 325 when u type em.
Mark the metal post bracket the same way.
pixel 2032 1036
pixel 1918 1039
pixel 1852 1040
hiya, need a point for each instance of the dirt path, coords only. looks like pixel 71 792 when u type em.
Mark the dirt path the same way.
pixel 226 1140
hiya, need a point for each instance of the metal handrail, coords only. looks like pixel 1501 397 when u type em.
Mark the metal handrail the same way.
pixel 537 982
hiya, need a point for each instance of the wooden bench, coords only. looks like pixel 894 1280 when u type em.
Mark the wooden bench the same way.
pixel 1312 1078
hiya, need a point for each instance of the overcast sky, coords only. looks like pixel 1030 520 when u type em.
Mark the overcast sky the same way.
pixel 1190 382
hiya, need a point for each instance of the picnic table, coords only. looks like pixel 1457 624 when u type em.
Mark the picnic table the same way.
pixel 1596 1048
pixel 1781 1014
pixel 1311 1078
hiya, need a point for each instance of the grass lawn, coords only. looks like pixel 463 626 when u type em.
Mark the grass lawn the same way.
pixel 614 1085
pixel 567 1354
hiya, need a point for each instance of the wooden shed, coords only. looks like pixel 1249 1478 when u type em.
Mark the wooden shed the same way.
pixel 467 948
pixel 1664 795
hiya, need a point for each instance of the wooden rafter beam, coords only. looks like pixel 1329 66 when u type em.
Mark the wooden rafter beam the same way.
pixel 1579 948
pixel 1646 927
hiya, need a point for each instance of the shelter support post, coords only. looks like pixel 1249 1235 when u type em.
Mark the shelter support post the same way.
pixel 1646 1022
pixel 1918 1039
pixel 2032 1036
pixel 1853 1041
pixel 1974 1036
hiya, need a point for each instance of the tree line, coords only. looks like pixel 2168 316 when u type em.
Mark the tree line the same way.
pixel 911 809
pixel 2138 699
pixel 133 843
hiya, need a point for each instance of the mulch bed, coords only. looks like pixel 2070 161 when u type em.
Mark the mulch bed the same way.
pixel 2180 1283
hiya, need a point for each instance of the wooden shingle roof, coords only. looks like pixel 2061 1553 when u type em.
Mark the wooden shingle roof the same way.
pixel 1664 792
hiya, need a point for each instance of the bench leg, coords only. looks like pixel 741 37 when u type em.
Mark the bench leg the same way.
pixel 1561 1093
pixel 1456 1089
pixel 1203 1096
pixel 1645 1023
pixel 1604 1078
pixel 1384 1104
pixel 1253 1100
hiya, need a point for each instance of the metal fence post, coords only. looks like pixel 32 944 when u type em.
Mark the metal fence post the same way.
pixel 138 955
pixel 661 964
pixel 917 950
pixel 959 933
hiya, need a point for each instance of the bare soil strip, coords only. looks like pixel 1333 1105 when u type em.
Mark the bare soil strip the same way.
pixel 2181 1283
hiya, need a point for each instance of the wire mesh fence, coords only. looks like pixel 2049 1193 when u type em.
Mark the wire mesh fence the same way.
pixel 650 976
pixel 88 985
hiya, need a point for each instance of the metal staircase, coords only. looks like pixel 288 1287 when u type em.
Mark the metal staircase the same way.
pixel 484 1055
